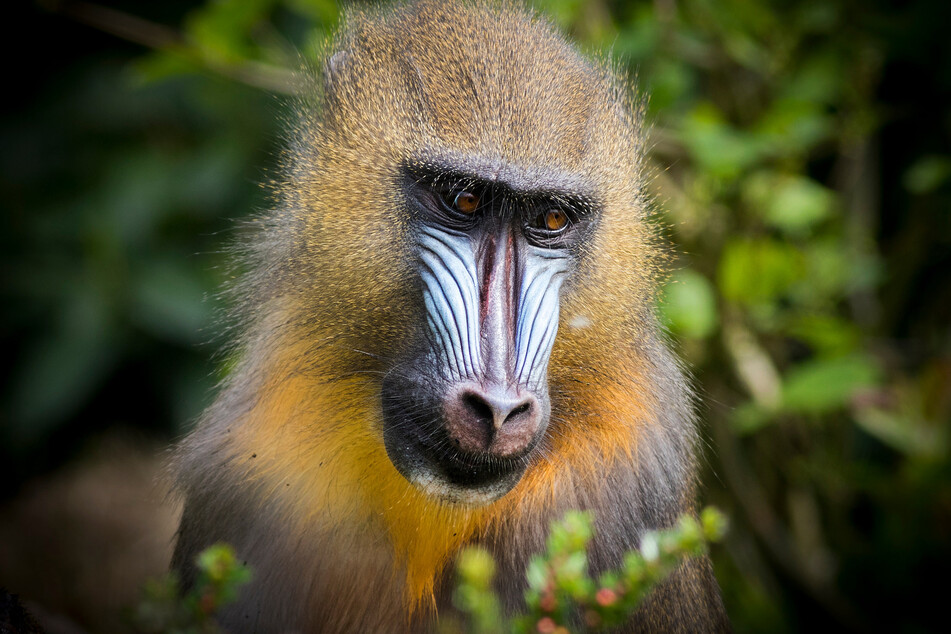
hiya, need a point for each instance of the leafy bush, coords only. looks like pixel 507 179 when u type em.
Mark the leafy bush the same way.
pixel 561 595
pixel 166 610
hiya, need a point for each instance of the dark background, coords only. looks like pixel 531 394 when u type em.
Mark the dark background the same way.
pixel 801 168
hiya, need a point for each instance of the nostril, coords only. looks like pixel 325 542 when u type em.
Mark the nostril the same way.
pixel 518 411
pixel 481 410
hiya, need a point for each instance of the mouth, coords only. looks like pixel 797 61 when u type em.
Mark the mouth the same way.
pixel 421 445
pixel 487 489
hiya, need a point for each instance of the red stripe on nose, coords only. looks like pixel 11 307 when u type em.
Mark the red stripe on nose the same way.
pixel 497 286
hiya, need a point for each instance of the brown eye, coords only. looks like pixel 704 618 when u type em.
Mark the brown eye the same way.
pixel 466 202
pixel 555 219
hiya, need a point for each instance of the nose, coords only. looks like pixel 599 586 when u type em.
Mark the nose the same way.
pixel 493 418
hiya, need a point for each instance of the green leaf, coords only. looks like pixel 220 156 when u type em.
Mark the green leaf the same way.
pixel 715 524
pixel 220 30
pixel 564 12
pixel 755 271
pixel 828 335
pixel 817 81
pixel 220 575
pixel 824 385
pixel 799 203
pixel 793 127
pixel 537 573
pixel 688 305
pixel 573 566
pixel 165 64
pixel 927 174
pixel 669 81
pixel 904 431
pixel 749 418
pixel 64 368
pixel 715 145
pixel 321 12
pixel 791 203
pixel 638 39
pixel 168 301
pixel 476 567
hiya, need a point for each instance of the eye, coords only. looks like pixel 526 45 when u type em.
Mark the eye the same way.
pixel 551 225
pixel 465 202
pixel 555 219
pixel 460 202
pixel 551 221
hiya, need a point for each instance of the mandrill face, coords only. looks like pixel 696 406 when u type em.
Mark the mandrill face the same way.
pixel 466 408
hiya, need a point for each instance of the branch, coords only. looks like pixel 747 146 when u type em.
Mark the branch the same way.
pixel 162 38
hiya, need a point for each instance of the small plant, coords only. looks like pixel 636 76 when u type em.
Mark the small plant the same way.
pixel 561 596
pixel 165 610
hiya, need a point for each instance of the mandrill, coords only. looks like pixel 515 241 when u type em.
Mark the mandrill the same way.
pixel 446 336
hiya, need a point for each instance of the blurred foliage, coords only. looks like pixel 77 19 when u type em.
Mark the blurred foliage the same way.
pixel 165 609
pixel 561 596
pixel 800 162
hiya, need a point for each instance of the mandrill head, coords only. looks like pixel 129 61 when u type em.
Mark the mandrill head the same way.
pixel 448 205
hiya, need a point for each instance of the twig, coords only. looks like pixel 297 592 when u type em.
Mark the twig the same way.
pixel 160 37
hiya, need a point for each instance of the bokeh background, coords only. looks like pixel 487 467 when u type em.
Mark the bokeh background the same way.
pixel 801 169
